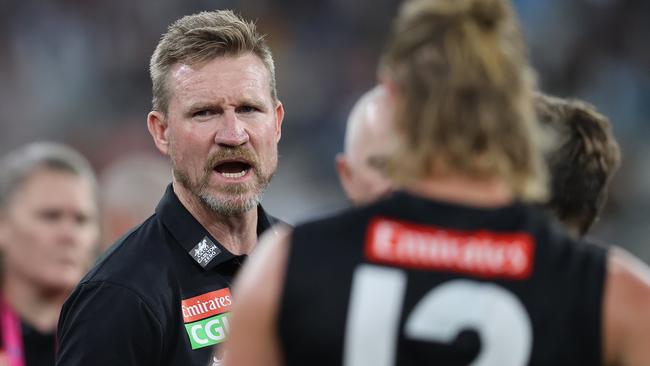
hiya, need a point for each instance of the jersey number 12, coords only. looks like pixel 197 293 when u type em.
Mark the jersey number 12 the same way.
pixel 375 307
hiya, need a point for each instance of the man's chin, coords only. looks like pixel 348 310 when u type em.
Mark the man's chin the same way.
pixel 59 284
pixel 230 204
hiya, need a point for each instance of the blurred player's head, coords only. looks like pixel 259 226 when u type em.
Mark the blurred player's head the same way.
pixel 215 111
pixel 464 95
pixel 582 164
pixel 49 227
pixel 368 140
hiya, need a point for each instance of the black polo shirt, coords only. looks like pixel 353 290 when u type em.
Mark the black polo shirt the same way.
pixel 38 347
pixel 160 296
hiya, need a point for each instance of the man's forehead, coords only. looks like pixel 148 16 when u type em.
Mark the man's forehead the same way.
pixel 182 71
pixel 40 183
pixel 220 78
pixel 221 69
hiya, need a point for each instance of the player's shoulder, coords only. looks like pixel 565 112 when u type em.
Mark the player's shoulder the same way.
pixel 565 248
pixel 343 220
pixel 626 317
pixel 624 270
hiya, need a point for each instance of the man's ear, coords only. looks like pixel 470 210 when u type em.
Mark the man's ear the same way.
pixel 279 115
pixel 345 176
pixel 158 127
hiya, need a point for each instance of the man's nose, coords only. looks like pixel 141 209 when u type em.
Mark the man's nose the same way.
pixel 68 230
pixel 231 131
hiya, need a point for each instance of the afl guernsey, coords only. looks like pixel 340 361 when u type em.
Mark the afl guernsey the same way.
pixel 409 281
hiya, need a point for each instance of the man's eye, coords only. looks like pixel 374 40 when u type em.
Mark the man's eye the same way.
pixel 81 219
pixel 50 215
pixel 246 109
pixel 203 113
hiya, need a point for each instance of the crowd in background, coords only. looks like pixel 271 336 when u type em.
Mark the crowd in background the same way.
pixel 75 71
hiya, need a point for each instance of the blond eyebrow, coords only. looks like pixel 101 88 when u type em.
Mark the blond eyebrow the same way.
pixel 203 105
pixel 257 102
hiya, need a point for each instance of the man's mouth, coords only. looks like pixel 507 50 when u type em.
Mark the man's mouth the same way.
pixel 232 169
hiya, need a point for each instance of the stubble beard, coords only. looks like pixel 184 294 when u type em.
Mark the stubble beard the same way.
pixel 237 198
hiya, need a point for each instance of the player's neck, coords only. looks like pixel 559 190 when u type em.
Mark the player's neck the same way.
pixel 38 307
pixel 237 233
pixel 465 191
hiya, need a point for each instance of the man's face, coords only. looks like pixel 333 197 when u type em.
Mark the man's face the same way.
pixel 50 230
pixel 223 129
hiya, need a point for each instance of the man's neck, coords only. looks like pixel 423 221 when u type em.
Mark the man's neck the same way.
pixel 238 234
pixel 37 307
pixel 465 191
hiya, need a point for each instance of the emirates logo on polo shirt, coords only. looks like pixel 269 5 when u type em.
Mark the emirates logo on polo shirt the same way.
pixel 206 317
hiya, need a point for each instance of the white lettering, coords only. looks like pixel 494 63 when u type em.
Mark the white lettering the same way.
pixel 213 305
pixel 517 259
pixel 195 336
pixel 194 310
pixel 383 239
pixel 212 326
pixel 226 322
pixel 480 252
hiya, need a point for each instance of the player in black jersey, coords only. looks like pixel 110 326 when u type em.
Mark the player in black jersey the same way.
pixel 583 162
pixel 457 269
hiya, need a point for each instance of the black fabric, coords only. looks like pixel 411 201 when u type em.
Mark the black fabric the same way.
pixel 38 347
pixel 127 309
pixel 562 296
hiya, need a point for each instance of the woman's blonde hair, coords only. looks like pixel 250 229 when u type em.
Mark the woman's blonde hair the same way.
pixel 464 91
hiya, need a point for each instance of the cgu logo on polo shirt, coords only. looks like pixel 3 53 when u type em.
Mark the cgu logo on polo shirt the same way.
pixel 206 317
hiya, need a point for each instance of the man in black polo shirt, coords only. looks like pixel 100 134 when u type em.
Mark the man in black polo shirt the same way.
pixel 161 296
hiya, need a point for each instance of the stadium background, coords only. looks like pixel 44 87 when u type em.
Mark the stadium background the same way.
pixel 76 71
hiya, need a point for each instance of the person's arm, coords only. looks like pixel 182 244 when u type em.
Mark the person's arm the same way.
pixel 626 325
pixel 253 334
pixel 106 324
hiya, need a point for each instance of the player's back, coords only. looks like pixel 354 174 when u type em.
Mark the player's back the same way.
pixel 409 281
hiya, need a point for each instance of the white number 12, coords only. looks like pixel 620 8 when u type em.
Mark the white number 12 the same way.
pixel 374 313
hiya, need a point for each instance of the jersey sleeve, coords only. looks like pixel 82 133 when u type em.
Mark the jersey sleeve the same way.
pixel 108 324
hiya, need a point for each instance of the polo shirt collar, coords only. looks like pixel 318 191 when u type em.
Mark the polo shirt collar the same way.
pixel 202 248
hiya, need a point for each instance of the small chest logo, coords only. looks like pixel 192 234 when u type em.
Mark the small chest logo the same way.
pixel 206 318
pixel 204 251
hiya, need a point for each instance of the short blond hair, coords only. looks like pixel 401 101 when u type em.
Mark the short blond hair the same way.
pixel 464 95
pixel 202 37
